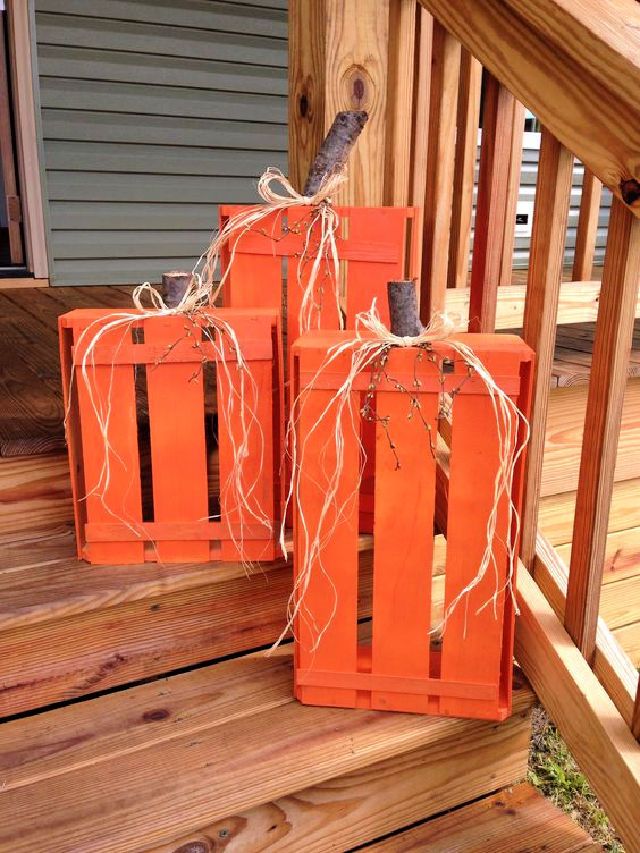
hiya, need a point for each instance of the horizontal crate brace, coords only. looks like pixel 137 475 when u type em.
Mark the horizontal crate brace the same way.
pixel 291 246
pixel 183 353
pixel 327 381
pixel 175 531
pixel 397 684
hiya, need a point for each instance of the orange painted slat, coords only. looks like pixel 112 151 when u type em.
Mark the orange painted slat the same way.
pixel 122 494
pixel 334 575
pixel 403 541
pixel 472 641
pixel 367 279
pixel 258 467
pixel 178 452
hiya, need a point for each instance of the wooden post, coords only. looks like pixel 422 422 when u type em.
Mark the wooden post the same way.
pixel 465 163
pixel 445 73
pixel 493 183
pixel 422 96
pixel 587 227
pixel 541 311
pixel 338 61
pixel 612 345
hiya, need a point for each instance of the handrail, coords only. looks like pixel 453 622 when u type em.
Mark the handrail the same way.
pixel 575 65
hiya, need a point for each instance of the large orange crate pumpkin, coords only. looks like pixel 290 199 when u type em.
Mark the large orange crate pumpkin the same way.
pixel 468 671
pixel 165 366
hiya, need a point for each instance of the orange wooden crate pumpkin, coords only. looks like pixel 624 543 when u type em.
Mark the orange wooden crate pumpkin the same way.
pixel 170 355
pixel 471 674
pixel 376 244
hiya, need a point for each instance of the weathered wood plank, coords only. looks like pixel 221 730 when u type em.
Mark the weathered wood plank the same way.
pixel 540 312
pixel 614 328
pixel 513 192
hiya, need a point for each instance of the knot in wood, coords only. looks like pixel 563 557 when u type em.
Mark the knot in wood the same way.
pixel 630 190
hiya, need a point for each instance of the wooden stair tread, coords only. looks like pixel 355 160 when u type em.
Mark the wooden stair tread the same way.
pixel 573 354
pixel 41 577
pixel 511 821
pixel 140 767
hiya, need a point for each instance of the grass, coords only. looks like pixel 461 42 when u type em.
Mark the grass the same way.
pixel 554 772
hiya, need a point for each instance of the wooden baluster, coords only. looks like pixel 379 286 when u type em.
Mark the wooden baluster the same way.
pixel 541 310
pixel 422 93
pixel 608 379
pixel 465 161
pixel 612 345
pixel 513 191
pixel 493 182
pixel 587 227
pixel 445 72
pixel 400 83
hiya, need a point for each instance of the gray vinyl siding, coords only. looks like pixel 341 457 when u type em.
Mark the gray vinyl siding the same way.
pixel 154 112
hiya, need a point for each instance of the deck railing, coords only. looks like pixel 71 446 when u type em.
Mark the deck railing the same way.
pixel 576 66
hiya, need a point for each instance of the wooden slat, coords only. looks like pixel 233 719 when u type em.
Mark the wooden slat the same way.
pixel 565 62
pixel 464 170
pixel 597 736
pixel 587 227
pixel 11 198
pixel 400 98
pixel 635 721
pixel 541 310
pixel 520 818
pixel 330 599
pixel 493 185
pixel 513 191
pixel 402 593
pixel 177 432
pixel 602 423
pixel 445 73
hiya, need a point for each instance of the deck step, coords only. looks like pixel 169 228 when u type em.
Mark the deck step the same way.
pixel 68 629
pixel 224 752
pixel 511 821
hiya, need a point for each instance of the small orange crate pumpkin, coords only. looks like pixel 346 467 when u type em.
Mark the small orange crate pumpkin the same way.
pixel 122 518
pixel 470 674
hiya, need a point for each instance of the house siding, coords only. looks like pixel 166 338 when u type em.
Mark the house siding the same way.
pixel 153 113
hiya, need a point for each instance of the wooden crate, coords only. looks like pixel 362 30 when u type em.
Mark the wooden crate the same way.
pixel 174 518
pixel 469 673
